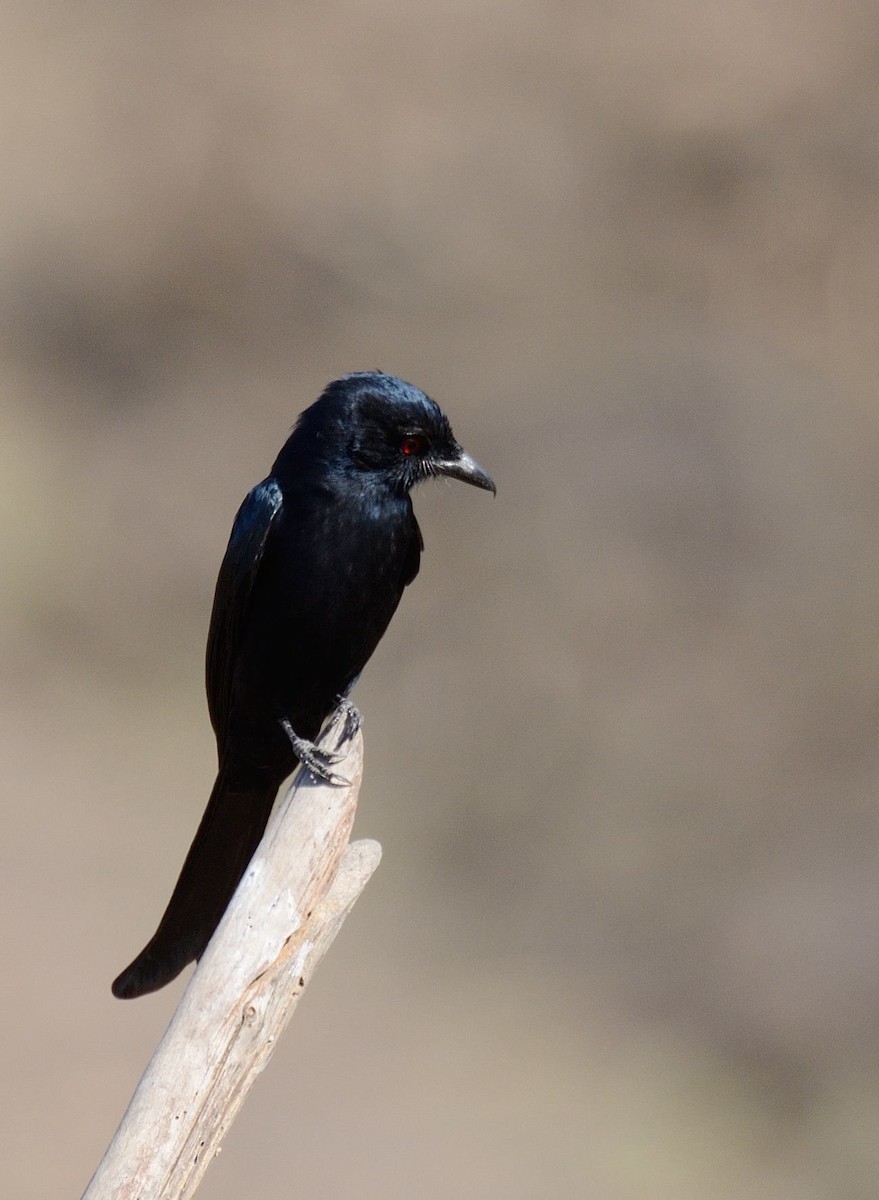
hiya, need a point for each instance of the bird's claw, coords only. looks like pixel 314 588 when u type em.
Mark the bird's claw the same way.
pixel 318 762
pixel 351 715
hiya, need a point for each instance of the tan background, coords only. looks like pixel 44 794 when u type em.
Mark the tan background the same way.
pixel 622 744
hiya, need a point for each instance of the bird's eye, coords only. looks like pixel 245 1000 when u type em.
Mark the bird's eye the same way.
pixel 413 443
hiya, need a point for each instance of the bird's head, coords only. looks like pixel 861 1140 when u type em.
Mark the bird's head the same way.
pixel 380 426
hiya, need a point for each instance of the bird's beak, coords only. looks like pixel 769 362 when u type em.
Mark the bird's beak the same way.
pixel 463 467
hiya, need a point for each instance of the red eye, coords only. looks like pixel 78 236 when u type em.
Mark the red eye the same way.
pixel 413 444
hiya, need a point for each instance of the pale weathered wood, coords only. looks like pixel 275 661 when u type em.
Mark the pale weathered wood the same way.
pixel 296 893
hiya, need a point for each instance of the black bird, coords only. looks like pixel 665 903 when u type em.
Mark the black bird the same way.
pixel 317 561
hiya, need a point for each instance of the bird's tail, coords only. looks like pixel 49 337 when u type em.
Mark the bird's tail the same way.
pixel 229 833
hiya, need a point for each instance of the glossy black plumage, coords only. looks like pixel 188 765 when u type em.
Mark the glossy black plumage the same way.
pixel 318 558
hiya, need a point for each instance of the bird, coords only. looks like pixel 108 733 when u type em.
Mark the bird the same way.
pixel 318 558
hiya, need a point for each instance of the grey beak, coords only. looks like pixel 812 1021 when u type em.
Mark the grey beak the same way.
pixel 467 469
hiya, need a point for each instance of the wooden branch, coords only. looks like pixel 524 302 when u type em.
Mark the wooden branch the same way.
pixel 297 891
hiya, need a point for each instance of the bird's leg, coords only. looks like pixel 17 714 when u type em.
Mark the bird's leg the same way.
pixel 351 715
pixel 319 762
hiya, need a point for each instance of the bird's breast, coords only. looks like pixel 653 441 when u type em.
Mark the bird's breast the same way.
pixel 325 593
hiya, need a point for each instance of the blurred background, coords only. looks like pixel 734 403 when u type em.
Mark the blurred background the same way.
pixel 622 745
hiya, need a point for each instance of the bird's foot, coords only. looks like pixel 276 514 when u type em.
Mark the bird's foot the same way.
pixel 350 714
pixel 319 762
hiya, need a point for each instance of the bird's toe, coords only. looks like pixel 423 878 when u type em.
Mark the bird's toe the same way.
pixel 350 714
pixel 319 762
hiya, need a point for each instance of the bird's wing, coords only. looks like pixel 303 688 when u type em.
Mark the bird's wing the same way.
pixel 413 553
pixel 247 543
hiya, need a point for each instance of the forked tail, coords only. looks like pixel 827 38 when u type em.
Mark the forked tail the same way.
pixel 229 833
